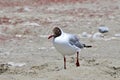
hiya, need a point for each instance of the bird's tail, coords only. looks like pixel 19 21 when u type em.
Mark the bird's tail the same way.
pixel 87 46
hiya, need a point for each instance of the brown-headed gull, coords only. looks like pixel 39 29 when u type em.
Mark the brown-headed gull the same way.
pixel 67 44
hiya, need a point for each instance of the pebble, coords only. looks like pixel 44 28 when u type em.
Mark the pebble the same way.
pixel 103 29
pixel 16 64
pixel 18 35
pixel 97 35
pixel 117 35
pixel 86 35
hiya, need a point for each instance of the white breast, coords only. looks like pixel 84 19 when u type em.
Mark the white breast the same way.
pixel 62 44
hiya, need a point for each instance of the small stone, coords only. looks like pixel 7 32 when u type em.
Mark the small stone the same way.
pixel 103 29
pixel 18 35
pixel 16 64
pixel 117 35
pixel 97 35
pixel 86 35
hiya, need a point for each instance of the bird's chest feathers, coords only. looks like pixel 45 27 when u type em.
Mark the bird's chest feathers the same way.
pixel 62 44
pixel 60 41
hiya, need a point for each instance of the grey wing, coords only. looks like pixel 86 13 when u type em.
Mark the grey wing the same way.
pixel 75 41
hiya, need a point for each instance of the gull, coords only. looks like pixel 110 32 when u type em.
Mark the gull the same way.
pixel 67 44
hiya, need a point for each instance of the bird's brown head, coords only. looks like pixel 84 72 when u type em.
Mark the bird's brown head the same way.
pixel 56 32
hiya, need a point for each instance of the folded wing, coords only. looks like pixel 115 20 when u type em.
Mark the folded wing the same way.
pixel 73 40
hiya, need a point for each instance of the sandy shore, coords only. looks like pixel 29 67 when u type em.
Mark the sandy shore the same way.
pixel 27 54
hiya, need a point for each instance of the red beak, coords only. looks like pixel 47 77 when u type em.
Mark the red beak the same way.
pixel 50 36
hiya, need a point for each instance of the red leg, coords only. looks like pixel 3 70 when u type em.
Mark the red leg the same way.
pixel 64 62
pixel 77 62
